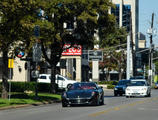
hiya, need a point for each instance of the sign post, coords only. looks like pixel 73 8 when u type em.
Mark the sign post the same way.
pixel 37 54
pixel 10 66
pixel 95 56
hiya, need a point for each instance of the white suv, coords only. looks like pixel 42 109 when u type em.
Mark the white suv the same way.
pixel 62 81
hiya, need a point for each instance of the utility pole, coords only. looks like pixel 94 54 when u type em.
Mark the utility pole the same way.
pixel 150 32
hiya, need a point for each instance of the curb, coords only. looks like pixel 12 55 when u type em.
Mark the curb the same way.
pixel 27 105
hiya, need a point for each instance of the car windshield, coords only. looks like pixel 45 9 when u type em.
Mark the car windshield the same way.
pixel 137 83
pixel 81 86
pixel 123 82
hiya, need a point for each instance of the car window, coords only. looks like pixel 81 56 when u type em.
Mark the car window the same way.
pixel 42 77
pixel 125 82
pixel 138 83
pixel 60 78
pixel 81 86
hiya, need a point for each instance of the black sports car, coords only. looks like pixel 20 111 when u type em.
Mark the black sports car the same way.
pixel 83 93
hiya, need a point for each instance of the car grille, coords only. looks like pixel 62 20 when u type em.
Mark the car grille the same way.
pixel 135 93
pixel 78 101
pixel 120 89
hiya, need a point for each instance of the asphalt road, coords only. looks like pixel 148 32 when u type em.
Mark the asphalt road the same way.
pixel 115 108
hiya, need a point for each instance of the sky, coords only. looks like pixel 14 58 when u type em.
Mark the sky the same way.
pixel 146 8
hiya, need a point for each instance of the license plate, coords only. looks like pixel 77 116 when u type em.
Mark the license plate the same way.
pixel 78 100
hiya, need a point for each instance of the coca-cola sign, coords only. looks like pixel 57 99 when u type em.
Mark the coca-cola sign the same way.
pixel 76 50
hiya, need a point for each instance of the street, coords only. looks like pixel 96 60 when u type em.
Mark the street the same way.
pixel 115 108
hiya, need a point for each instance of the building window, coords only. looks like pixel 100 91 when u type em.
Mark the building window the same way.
pixel 115 11
pixel 126 16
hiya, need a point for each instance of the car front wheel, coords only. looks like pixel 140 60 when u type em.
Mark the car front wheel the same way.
pixel 64 104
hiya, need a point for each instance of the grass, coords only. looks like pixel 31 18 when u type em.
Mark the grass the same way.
pixel 23 98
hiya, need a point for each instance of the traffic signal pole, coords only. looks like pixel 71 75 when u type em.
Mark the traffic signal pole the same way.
pixel 151 51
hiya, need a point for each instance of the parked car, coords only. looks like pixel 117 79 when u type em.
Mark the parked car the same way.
pixel 119 89
pixel 62 81
pixel 138 87
pixel 83 93
pixel 156 85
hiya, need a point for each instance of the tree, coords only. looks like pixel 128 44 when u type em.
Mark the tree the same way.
pixel 114 57
pixel 12 13
pixel 19 19
pixel 82 12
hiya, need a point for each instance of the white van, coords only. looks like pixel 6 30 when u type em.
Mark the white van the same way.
pixel 62 81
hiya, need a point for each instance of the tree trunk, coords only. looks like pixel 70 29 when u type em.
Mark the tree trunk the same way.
pixel 53 77
pixel 108 76
pixel 4 94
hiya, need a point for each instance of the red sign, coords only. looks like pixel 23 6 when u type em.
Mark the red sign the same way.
pixel 76 50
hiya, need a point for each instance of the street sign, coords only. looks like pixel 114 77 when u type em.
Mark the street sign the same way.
pixel 10 63
pixel 95 55
pixel 75 50
pixel 37 52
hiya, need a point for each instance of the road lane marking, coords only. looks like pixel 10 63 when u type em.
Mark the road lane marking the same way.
pixel 121 107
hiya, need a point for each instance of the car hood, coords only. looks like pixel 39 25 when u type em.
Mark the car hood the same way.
pixel 71 81
pixel 79 93
pixel 136 87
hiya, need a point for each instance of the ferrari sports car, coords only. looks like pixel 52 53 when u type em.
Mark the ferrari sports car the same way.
pixel 88 93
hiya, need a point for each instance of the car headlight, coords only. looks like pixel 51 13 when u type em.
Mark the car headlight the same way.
pixel 115 88
pixel 127 89
pixel 93 93
pixel 124 88
pixel 143 89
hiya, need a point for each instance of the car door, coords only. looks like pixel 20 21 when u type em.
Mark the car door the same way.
pixel 60 81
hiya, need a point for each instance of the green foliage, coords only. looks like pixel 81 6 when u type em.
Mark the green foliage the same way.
pixel 156 66
pixel 29 86
pixel 108 82
pixel 116 37
pixel 110 86
pixel 22 98
pixel 19 18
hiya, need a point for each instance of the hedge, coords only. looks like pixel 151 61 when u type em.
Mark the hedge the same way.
pixel 108 82
pixel 110 86
pixel 28 86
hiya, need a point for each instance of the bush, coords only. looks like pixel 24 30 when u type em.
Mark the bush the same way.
pixel 108 82
pixel 110 86
pixel 22 86
pixel 28 86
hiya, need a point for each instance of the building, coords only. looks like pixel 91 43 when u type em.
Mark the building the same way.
pixel 126 11
pixel 142 40
pixel 141 52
